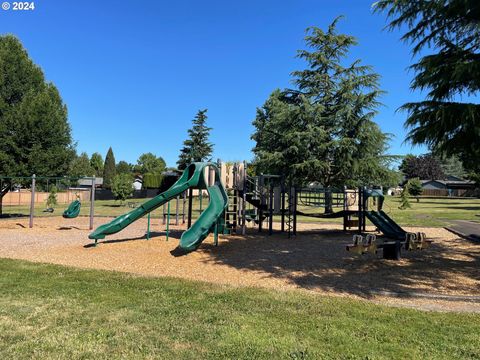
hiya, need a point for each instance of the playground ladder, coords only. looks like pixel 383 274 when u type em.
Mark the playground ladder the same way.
pixel 231 212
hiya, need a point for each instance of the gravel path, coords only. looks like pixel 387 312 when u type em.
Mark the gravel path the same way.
pixel 314 261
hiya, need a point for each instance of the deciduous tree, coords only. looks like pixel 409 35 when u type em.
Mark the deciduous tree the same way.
pixel 81 167
pixel 424 167
pixel 124 168
pixel 150 163
pixel 122 186
pixel 35 135
pixel 96 162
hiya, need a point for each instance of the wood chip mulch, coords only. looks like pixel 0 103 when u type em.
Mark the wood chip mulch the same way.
pixel 315 260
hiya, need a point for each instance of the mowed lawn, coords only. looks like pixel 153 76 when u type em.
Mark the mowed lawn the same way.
pixel 49 311
pixel 108 208
pixel 429 212
pixel 435 212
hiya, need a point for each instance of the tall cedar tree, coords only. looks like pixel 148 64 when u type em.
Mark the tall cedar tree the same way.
pixel 35 135
pixel 452 166
pixel 449 31
pixel 109 169
pixel 323 130
pixel 197 147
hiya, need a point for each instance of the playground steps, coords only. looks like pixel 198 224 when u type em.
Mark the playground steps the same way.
pixel 231 212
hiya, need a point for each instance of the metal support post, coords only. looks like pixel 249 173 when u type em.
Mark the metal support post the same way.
pixel 190 201
pixel 92 204
pixel 168 219
pixel 148 226
pixel 270 211
pixel 176 210
pixel 215 234
pixel 32 201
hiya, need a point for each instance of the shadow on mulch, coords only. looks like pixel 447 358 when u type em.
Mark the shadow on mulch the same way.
pixel 174 234
pixel 69 228
pixel 10 216
pixel 318 261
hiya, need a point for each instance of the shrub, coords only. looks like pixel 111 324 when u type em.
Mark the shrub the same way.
pixel 152 181
pixel 122 186
pixel 404 201
pixel 52 197
pixel 415 188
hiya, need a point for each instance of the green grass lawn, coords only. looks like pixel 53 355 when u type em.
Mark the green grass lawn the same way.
pixel 105 208
pixel 49 311
pixel 434 212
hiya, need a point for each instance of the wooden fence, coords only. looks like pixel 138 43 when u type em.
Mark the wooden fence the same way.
pixel 451 192
pixel 23 197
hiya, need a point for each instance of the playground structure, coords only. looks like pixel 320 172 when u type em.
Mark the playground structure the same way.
pixel 236 200
pixel 269 197
pixel 233 200
pixel 193 177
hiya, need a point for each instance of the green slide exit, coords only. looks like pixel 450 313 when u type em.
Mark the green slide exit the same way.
pixel 192 177
pixel 386 224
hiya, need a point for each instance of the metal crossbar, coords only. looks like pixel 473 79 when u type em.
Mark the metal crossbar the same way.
pixel 318 197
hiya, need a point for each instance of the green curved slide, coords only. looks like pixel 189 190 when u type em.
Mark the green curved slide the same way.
pixel 381 220
pixel 192 177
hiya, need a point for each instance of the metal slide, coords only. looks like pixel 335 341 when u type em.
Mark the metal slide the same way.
pixel 386 225
pixel 192 177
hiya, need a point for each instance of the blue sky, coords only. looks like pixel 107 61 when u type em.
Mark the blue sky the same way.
pixel 134 73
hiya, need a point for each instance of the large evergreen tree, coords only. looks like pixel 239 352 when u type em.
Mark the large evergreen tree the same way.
pixel 452 166
pixel 197 147
pixel 109 169
pixel 35 136
pixel 322 130
pixel 448 31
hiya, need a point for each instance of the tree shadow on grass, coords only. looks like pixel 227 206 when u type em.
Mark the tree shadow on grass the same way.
pixel 319 261
pixel 446 201
pixel 466 208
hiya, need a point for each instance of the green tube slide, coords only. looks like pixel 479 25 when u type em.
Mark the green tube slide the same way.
pixel 192 177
